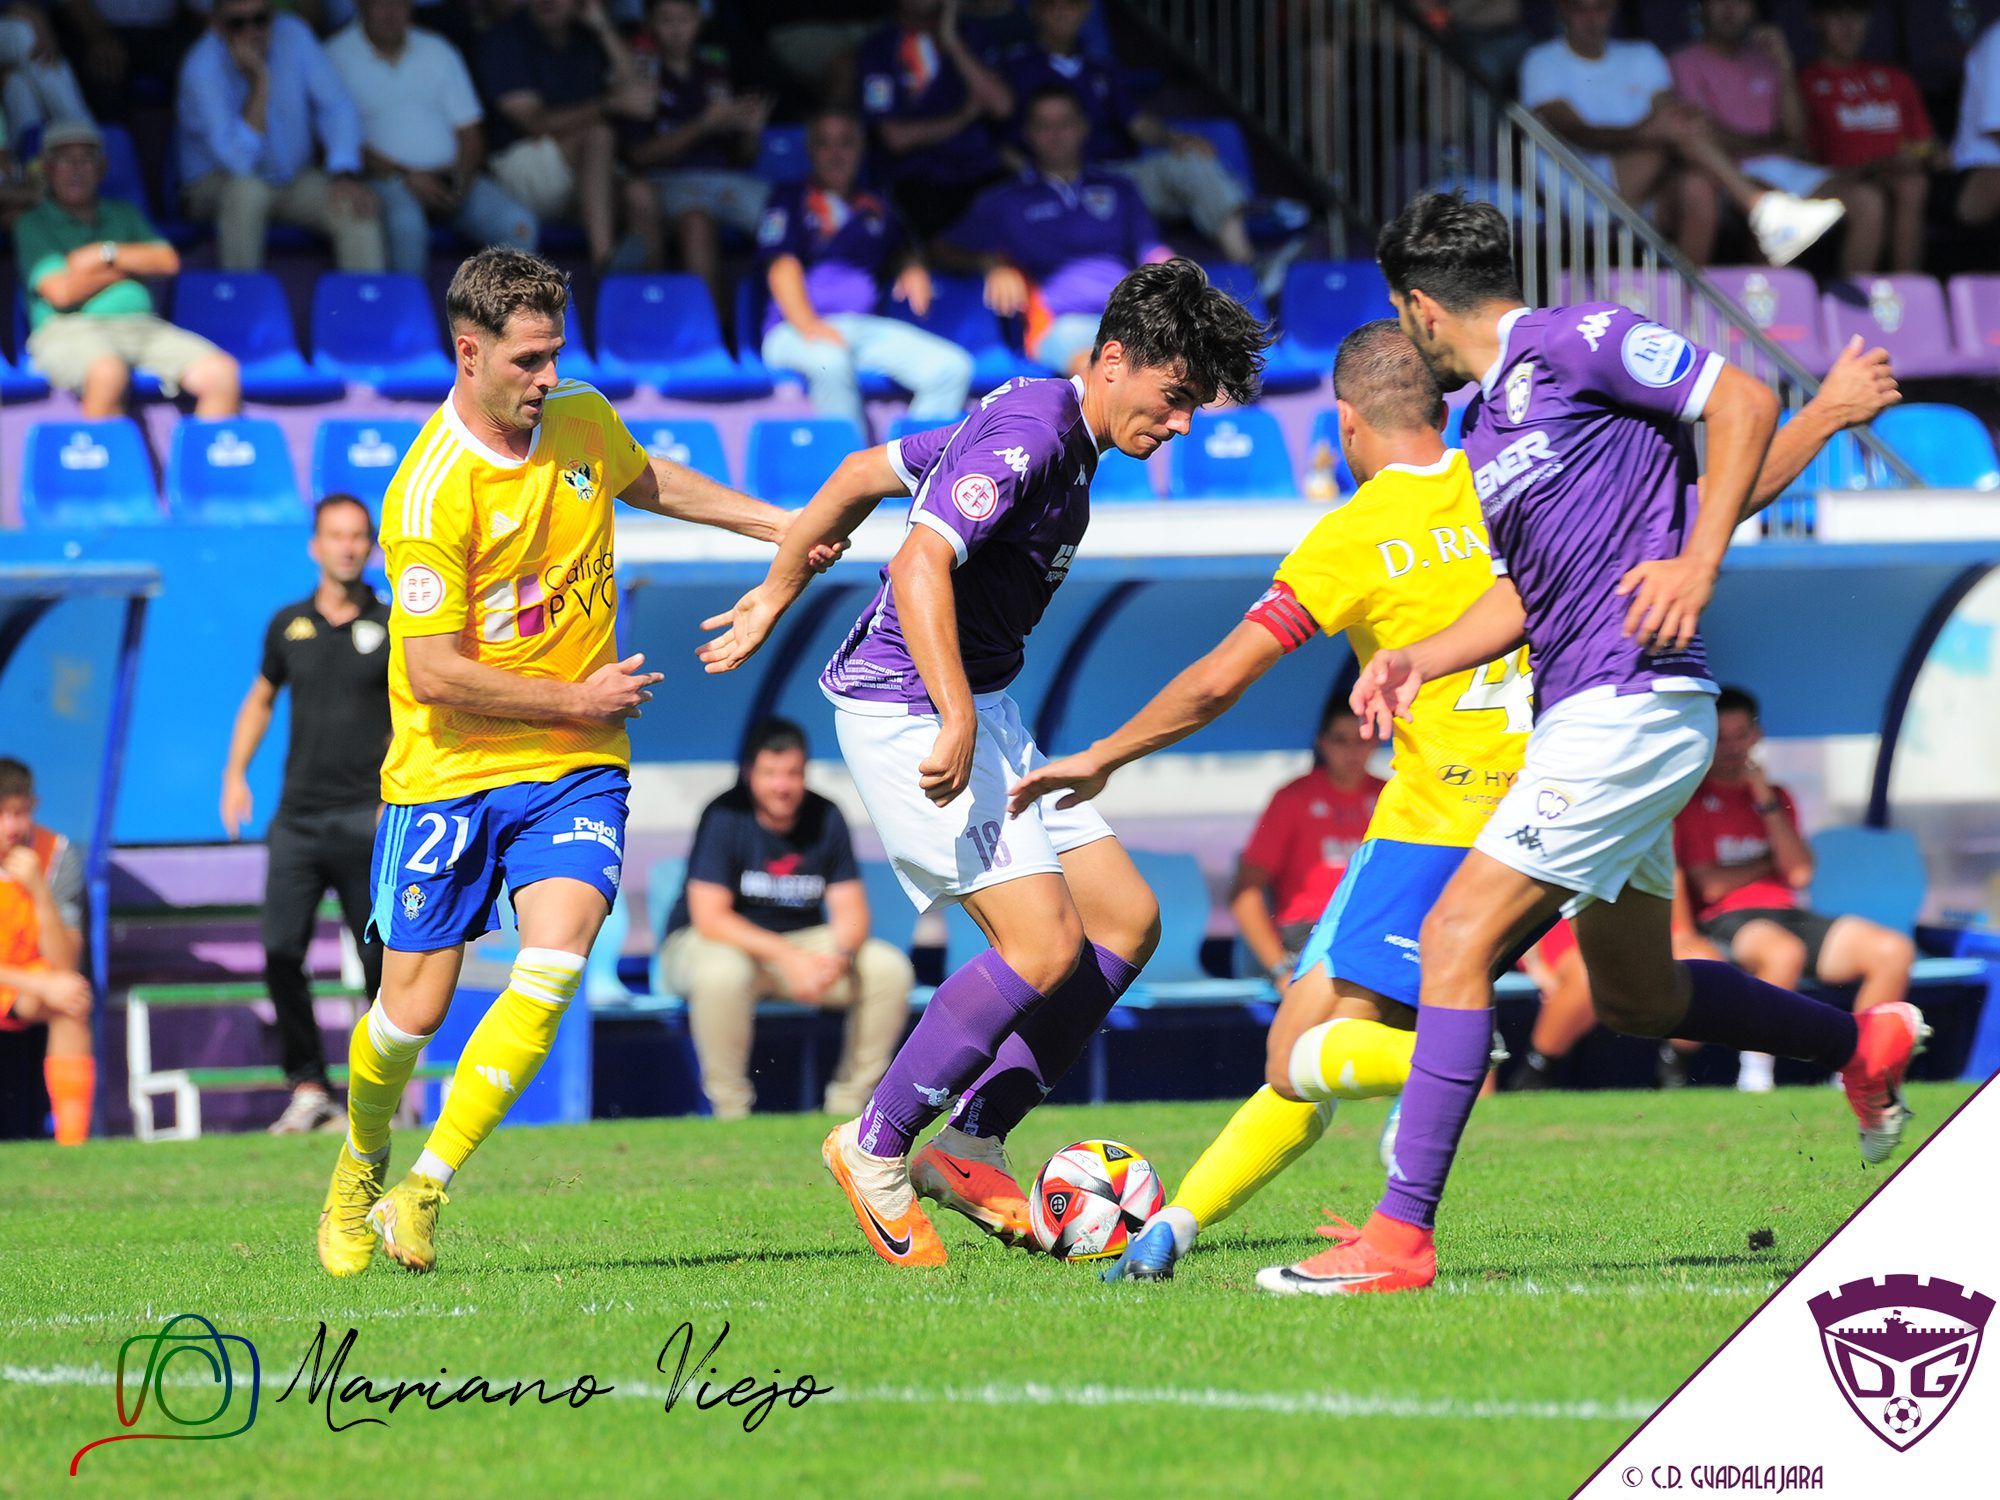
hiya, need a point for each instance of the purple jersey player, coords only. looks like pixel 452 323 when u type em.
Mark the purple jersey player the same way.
pixel 999 506
pixel 1580 452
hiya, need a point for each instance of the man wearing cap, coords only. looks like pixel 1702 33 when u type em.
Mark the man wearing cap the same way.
pixel 90 314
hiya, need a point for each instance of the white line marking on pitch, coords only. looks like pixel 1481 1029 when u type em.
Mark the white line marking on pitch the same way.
pixel 1035 1394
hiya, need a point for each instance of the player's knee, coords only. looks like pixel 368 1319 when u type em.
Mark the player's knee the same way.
pixel 1454 939
pixel 1047 958
pixel 1890 952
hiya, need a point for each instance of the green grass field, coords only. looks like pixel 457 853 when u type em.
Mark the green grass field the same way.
pixel 1596 1248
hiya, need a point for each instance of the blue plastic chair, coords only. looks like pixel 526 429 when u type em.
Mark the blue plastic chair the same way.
pixel 246 314
pixel 1325 300
pixel 1233 455
pixel 662 331
pixel 1121 477
pixel 691 442
pixel 577 362
pixel 1182 891
pixel 358 456
pixel 958 312
pixel 790 460
pixel 88 474
pixel 1947 445
pixel 380 330
pixel 20 385
pixel 1877 873
pixel 664 880
pixel 1326 430
pixel 236 469
pixel 1287 366
pixel 781 154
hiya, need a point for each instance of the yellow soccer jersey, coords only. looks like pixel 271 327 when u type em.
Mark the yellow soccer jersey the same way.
pixel 514 558
pixel 1398 562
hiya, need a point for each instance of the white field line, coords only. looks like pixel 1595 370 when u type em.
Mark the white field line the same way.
pixel 1037 1394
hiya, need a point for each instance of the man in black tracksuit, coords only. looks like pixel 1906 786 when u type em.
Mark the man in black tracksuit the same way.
pixel 332 649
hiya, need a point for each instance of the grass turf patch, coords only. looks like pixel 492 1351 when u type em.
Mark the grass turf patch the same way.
pixel 1595 1248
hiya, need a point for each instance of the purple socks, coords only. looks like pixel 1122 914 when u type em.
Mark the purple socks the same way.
pixel 1728 1007
pixel 1045 1045
pixel 961 1030
pixel 1449 1065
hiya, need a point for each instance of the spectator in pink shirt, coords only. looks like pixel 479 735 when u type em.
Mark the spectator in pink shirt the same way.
pixel 1740 76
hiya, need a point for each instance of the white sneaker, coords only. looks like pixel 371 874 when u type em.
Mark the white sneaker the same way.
pixel 1756 1073
pixel 1787 225
pixel 309 1110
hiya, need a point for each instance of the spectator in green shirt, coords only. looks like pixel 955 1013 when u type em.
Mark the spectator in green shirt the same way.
pixel 91 315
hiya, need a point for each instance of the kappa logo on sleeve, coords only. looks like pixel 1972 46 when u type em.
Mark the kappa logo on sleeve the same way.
pixel 976 496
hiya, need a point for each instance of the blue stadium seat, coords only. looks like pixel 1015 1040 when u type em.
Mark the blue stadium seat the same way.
pixel 662 331
pixel 358 456
pixel 753 300
pixel 380 331
pixel 664 879
pixel 1287 366
pixel 1947 445
pixel 891 916
pixel 20 385
pixel 1120 476
pixel 1182 891
pixel 577 362
pixel 236 469
pixel 1325 300
pixel 88 474
pixel 1877 873
pixel 904 425
pixel 245 313
pixel 959 312
pixel 1237 454
pixel 1326 431
pixel 790 459
pixel 123 177
pixel 781 154
pixel 690 441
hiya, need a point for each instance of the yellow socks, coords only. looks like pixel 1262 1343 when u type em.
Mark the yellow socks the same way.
pixel 380 1058
pixel 1265 1136
pixel 72 1084
pixel 502 1056
pixel 1351 1059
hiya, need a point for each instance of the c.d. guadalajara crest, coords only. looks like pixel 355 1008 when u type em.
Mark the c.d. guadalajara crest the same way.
pixel 1901 1348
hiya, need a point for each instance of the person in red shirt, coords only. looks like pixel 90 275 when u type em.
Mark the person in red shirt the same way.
pixel 1867 121
pixel 1301 845
pixel 1747 863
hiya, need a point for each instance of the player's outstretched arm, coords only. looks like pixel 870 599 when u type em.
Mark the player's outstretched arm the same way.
pixel 1493 625
pixel 1198 696
pixel 440 675
pixel 861 482
pixel 1858 389
pixel 1669 594
pixel 682 494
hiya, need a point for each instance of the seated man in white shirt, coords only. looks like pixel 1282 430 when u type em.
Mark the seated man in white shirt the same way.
pixel 1976 149
pixel 422 143
pixel 1613 102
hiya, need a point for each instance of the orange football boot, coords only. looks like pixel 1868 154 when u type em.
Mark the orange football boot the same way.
pixel 1386 1255
pixel 886 1206
pixel 1889 1036
pixel 970 1175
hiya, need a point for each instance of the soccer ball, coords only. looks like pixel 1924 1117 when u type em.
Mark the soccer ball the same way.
pixel 1090 1197
pixel 1902 1415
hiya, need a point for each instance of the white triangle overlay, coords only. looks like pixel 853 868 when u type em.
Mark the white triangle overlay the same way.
pixel 1767 1402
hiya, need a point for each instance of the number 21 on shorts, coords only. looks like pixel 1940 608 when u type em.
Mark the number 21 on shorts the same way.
pixel 424 861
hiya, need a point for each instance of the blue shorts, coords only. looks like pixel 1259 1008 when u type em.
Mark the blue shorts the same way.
pixel 1369 933
pixel 439 865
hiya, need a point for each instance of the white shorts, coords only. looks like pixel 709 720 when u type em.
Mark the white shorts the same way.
pixel 1602 781
pixel 943 853
pixel 1786 174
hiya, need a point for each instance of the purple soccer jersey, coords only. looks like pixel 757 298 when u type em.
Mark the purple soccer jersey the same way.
pixel 1009 488
pixel 1074 241
pixel 843 243
pixel 1583 455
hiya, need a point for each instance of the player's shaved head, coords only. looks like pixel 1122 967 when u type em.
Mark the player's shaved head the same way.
pixel 496 283
pixel 1379 373
pixel 1458 252
pixel 1167 316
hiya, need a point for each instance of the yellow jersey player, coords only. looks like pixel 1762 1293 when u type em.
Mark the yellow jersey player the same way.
pixel 509 759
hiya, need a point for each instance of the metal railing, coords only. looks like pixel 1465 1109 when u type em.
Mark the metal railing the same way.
pixel 1376 107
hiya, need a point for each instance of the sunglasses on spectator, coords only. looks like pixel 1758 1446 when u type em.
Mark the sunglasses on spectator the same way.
pixel 254 20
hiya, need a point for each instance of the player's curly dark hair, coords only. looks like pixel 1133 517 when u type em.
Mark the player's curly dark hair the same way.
pixel 1459 252
pixel 492 285
pixel 1168 316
